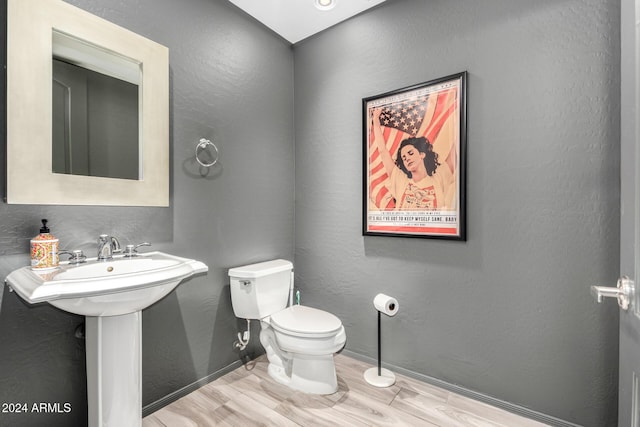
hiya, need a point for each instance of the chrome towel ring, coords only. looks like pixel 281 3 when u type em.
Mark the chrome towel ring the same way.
pixel 202 145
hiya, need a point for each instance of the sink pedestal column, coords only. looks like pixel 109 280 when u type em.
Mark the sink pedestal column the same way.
pixel 114 369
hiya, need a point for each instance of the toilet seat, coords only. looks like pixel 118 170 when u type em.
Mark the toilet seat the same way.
pixel 309 322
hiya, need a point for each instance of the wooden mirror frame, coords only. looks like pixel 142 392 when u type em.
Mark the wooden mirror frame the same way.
pixel 30 179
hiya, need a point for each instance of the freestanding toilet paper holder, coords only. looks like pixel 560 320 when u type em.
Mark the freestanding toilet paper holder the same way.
pixel 381 377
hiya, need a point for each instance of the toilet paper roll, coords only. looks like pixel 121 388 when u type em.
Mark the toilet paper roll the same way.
pixel 386 304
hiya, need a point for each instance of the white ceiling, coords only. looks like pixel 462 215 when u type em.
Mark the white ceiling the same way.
pixel 296 20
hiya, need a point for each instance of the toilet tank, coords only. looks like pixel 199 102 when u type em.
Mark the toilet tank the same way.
pixel 259 290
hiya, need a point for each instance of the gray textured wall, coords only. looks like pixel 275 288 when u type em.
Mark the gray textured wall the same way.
pixel 231 80
pixel 507 313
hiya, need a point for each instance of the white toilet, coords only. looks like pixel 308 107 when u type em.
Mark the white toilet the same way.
pixel 300 341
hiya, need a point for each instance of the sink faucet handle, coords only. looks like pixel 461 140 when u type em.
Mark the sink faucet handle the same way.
pixel 76 256
pixel 131 250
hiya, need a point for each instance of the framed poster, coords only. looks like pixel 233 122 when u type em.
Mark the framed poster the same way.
pixel 415 160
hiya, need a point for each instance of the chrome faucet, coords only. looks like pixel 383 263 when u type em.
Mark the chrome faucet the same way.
pixel 107 246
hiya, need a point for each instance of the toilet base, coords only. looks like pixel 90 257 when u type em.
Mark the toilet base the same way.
pixel 314 374
pixel 309 374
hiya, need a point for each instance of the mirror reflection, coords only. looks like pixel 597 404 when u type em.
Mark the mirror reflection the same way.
pixel 95 111
pixel 95 123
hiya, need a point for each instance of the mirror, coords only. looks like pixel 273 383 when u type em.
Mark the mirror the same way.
pixel 95 111
pixel 95 123
pixel 87 110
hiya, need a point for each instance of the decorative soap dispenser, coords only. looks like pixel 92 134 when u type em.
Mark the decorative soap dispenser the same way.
pixel 44 249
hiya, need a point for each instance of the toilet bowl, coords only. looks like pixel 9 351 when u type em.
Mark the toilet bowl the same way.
pixel 299 341
pixel 302 329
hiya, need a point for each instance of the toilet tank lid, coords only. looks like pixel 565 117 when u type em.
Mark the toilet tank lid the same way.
pixel 260 269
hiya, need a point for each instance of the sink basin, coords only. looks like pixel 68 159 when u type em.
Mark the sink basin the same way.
pixel 105 288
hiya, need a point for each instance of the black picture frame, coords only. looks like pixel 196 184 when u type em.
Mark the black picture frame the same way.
pixel 424 194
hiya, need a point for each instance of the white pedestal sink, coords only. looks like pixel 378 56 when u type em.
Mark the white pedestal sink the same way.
pixel 111 294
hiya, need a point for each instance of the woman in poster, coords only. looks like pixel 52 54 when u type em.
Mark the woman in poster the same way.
pixel 416 179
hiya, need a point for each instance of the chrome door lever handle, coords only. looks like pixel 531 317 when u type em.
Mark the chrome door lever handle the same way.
pixel 623 292
pixel 602 292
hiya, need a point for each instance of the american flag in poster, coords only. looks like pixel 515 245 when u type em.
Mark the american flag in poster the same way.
pixel 432 112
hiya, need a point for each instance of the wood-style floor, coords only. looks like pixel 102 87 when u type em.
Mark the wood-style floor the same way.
pixel 249 397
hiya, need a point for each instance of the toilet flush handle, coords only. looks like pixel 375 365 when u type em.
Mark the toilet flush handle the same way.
pixel 245 282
